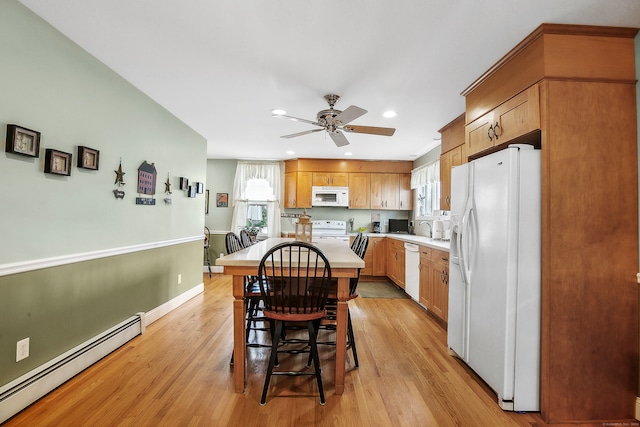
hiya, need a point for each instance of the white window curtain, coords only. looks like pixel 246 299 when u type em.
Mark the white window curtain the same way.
pixel 245 171
pixel 426 179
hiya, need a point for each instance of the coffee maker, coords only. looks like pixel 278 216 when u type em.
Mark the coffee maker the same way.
pixel 375 221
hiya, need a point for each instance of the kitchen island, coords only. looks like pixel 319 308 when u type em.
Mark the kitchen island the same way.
pixel 344 265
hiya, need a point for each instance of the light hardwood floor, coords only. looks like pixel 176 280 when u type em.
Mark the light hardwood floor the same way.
pixel 178 374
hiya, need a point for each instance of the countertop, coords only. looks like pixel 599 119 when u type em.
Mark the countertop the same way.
pixel 442 245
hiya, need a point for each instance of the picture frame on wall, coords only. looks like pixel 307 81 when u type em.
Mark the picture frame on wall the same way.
pixel 57 162
pixel 192 191
pixel 88 158
pixel 199 187
pixel 206 202
pixel 23 141
pixel 222 200
pixel 184 183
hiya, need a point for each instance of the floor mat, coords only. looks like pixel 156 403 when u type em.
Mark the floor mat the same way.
pixel 380 289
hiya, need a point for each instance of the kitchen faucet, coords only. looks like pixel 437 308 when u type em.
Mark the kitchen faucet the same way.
pixel 430 229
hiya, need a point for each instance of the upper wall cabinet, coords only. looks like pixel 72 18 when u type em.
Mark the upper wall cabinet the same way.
pixel 516 117
pixel 372 184
pixel 335 179
pixel 453 154
pixel 360 190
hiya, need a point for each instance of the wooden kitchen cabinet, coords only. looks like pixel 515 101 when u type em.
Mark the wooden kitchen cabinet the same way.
pixel 589 306
pixel 384 190
pixel 515 117
pixel 434 281
pixel 405 193
pixel 379 253
pixel 395 261
pixel 440 284
pixel 372 184
pixel 297 189
pixel 360 190
pixel 391 191
pixel 426 288
pixel 335 179
pixel 453 154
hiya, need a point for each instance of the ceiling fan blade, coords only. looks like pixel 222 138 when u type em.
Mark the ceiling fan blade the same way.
pixel 296 119
pixel 339 138
pixel 369 129
pixel 306 132
pixel 350 114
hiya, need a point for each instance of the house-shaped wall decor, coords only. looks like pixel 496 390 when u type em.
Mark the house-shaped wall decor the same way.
pixel 146 183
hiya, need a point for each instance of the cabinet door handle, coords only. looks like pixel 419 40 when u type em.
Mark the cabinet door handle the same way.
pixel 497 131
pixel 489 132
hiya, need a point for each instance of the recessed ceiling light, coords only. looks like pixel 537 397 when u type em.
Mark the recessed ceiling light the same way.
pixel 278 112
pixel 348 153
pixel 291 152
pixel 389 114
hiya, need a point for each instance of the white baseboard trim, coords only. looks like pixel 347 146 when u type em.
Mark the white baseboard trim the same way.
pixel 161 310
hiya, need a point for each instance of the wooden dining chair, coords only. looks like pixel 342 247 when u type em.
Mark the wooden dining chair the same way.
pixel 329 323
pixel 245 238
pixel 295 279
pixel 253 299
pixel 356 242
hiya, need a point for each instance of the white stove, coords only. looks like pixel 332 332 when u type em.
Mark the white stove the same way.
pixel 329 229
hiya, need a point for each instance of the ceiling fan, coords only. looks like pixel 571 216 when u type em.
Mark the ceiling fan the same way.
pixel 333 121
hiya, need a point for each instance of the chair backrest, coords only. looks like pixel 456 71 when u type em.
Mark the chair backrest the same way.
pixel 232 242
pixel 245 238
pixel 207 237
pixel 356 242
pixel 295 279
pixel 361 251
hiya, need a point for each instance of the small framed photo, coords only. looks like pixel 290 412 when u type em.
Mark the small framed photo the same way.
pixel 184 183
pixel 57 162
pixel 192 191
pixel 88 158
pixel 23 141
pixel 222 200
pixel 206 202
pixel 199 187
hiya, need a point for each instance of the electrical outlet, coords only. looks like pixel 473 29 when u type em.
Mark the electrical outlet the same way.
pixel 179 279
pixel 22 349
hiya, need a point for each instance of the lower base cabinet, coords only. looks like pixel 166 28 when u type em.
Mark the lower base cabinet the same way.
pixel 434 281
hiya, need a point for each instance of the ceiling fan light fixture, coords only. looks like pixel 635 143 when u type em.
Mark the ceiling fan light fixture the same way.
pixel 278 112
pixel 389 114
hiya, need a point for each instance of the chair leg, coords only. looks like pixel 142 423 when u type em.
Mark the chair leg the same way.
pixel 316 359
pixel 272 360
pixel 352 339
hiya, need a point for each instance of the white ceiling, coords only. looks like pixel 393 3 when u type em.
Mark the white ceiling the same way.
pixel 222 66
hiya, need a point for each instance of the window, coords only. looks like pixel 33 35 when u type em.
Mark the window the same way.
pixel 257 193
pixel 257 185
pixel 425 181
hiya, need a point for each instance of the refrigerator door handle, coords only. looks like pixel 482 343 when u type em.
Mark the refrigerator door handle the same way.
pixel 464 243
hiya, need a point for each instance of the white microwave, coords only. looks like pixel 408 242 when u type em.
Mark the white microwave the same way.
pixel 330 196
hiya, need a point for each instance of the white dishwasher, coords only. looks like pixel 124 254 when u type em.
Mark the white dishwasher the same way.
pixel 412 270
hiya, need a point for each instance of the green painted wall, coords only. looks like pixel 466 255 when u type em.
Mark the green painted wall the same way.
pixel 59 308
pixel 49 84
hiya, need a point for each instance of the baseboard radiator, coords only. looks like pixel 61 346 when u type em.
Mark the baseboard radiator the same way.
pixel 30 387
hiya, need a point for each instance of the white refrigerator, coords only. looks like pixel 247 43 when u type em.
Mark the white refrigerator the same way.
pixel 495 272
